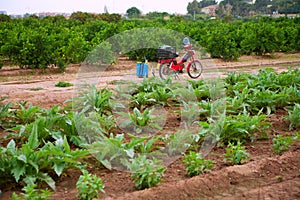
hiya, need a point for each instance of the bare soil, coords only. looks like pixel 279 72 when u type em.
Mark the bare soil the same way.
pixel 264 175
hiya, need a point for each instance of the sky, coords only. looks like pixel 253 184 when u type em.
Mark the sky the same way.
pixel 94 6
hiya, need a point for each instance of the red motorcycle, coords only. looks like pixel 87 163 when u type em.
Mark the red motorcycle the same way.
pixel 169 66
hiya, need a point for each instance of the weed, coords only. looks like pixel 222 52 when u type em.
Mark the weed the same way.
pixel 140 121
pixel 30 193
pixel 281 144
pixel 36 89
pixel 195 164
pixel 297 137
pixel 293 117
pixel 88 186
pixel 235 154
pixel 63 84
pixel 146 173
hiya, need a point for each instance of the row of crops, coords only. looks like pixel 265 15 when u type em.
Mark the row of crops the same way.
pixel 39 43
pixel 41 144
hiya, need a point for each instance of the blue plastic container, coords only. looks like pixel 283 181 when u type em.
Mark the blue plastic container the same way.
pixel 141 69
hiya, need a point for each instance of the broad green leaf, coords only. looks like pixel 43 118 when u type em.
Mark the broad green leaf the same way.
pixel 29 180
pixel 33 141
pixel 130 152
pixel 22 157
pixel 45 177
pixel 11 147
pixel 59 167
pixel 18 170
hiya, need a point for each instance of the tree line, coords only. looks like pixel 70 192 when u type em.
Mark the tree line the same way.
pixel 41 42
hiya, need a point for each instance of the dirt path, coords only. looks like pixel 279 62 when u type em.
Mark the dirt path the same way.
pixel 39 87
pixel 268 178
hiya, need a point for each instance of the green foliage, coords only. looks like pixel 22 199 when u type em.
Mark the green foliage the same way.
pixel 265 91
pixel 140 120
pixel 243 127
pixel 223 42
pixel 281 144
pixel 26 115
pixel 195 164
pixel 63 84
pixel 294 116
pixel 31 193
pixel 146 173
pixel 142 100
pixel 88 186
pixel 133 12
pixel 5 114
pixel 93 99
pixel 112 150
pixel 55 41
pixel 235 154
pixel 31 163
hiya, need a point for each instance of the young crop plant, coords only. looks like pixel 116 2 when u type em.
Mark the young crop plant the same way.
pixel 146 173
pixel 235 154
pixel 140 121
pixel 89 186
pixel 162 95
pixel 4 114
pixel 195 164
pixel 294 117
pixel 26 115
pixel 151 84
pixel 95 100
pixel 243 127
pixel 142 100
pixel 281 144
pixel 31 193
pixel 30 163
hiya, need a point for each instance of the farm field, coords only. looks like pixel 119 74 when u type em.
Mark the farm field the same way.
pixel 262 108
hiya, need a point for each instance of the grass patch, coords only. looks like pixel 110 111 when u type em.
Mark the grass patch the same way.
pixel 35 89
pixel 63 84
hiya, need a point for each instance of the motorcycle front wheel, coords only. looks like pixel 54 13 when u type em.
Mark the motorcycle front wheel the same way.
pixel 195 69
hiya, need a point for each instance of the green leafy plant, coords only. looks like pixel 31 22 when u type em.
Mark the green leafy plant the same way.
pixel 88 186
pixel 144 144
pixel 297 137
pixel 294 117
pixel 26 115
pixel 243 127
pixel 30 163
pixel 113 150
pixel 63 84
pixel 142 99
pixel 146 173
pixel 5 114
pixel 235 154
pixel 195 164
pixel 162 95
pixel 178 142
pixel 140 121
pixel 93 99
pixel 31 193
pixel 281 144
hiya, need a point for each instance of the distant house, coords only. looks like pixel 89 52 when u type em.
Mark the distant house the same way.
pixel 210 10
